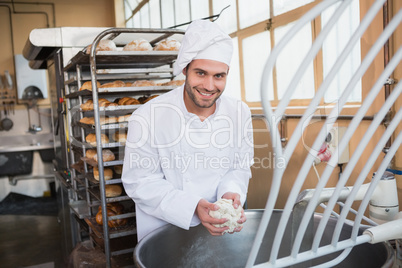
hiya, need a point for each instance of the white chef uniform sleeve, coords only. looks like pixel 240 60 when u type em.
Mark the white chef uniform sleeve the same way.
pixel 145 183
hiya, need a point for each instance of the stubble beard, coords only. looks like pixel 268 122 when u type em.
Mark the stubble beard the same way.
pixel 196 101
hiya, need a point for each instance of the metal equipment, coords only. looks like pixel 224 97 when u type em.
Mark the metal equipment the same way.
pixel 299 236
pixel 300 251
pixel 63 52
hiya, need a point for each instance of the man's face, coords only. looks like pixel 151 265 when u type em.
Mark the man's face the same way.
pixel 205 82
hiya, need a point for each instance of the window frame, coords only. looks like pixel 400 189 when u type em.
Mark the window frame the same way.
pixel 270 25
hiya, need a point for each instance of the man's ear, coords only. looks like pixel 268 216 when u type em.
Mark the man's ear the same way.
pixel 184 71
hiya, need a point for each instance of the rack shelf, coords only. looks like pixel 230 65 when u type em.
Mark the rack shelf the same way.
pixel 124 59
pixel 105 67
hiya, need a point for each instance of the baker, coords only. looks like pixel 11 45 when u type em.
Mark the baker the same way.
pixel 191 146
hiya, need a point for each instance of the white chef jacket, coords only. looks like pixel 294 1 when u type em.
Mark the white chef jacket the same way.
pixel 173 159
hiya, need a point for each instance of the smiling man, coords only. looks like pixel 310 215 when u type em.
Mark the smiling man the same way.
pixel 205 82
pixel 192 146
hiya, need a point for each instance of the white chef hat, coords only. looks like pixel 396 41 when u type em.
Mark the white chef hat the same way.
pixel 203 40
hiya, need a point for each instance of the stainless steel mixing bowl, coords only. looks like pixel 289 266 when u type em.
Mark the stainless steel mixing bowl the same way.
pixel 170 246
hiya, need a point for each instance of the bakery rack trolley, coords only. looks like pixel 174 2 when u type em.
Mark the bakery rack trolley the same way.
pixel 108 66
pixel 392 228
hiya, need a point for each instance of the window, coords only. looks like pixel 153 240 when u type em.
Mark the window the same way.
pixel 233 81
pixel 256 49
pixel 228 19
pixel 289 60
pixel 335 43
pixel 258 8
pixel 256 26
pixel 199 9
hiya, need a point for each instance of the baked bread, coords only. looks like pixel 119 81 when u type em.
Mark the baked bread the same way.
pixel 173 83
pixel 168 44
pixel 88 105
pixel 103 120
pixel 128 101
pixel 90 153
pixel 150 98
pixel 113 190
pixel 91 139
pixel 102 102
pixel 124 118
pixel 103 45
pixel 112 209
pixel 111 104
pixel 87 120
pixel 138 45
pixel 107 155
pixel 107 173
pixel 118 169
pixel 142 99
pixel 88 85
pixel 107 120
pixel 117 83
pixel 132 101
pixel 143 83
pixel 120 136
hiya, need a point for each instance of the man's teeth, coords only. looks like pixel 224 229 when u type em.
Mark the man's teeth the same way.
pixel 205 94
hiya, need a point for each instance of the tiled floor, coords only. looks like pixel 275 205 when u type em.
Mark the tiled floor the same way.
pixel 30 241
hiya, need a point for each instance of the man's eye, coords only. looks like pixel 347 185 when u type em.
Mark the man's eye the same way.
pixel 219 76
pixel 200 73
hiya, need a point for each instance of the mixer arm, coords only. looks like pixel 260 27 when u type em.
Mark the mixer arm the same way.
pixel 387 231
pixel 383 207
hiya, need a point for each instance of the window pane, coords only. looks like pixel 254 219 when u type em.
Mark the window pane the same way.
pixel 144 12
pixel 137 20
pixel 289 60
pixel 332 48
pixel 227 20
pixel 128 10
pixel 167 13
pixel 199 9
pixel 155 14
pixel 252 12
pixel 282 6
pixel 233 82
pixel 256 49
pixel 182 11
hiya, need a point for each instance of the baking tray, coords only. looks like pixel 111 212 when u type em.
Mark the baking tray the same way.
pixel 110 90
pixel 129 229
pixel 124 59
pixel 103 127
pixel 94 163
pixel 95 191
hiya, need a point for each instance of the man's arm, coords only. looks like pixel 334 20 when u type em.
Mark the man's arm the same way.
pixel 145 183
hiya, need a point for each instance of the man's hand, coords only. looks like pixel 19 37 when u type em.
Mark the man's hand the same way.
pixel 202 211
pixel 236 203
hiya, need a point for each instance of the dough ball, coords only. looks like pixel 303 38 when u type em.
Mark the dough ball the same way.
pixel 227 211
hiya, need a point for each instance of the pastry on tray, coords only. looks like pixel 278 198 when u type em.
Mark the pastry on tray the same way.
pixel 138 45
pixel 107 155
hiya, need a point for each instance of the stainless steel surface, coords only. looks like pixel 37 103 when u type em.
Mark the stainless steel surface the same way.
pixel 170 246
pixel 43 42
pixel 26 142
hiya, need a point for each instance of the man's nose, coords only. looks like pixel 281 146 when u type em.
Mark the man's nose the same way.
pixel 208 83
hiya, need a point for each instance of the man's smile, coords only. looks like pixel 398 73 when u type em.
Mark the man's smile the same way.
pixel 205 94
